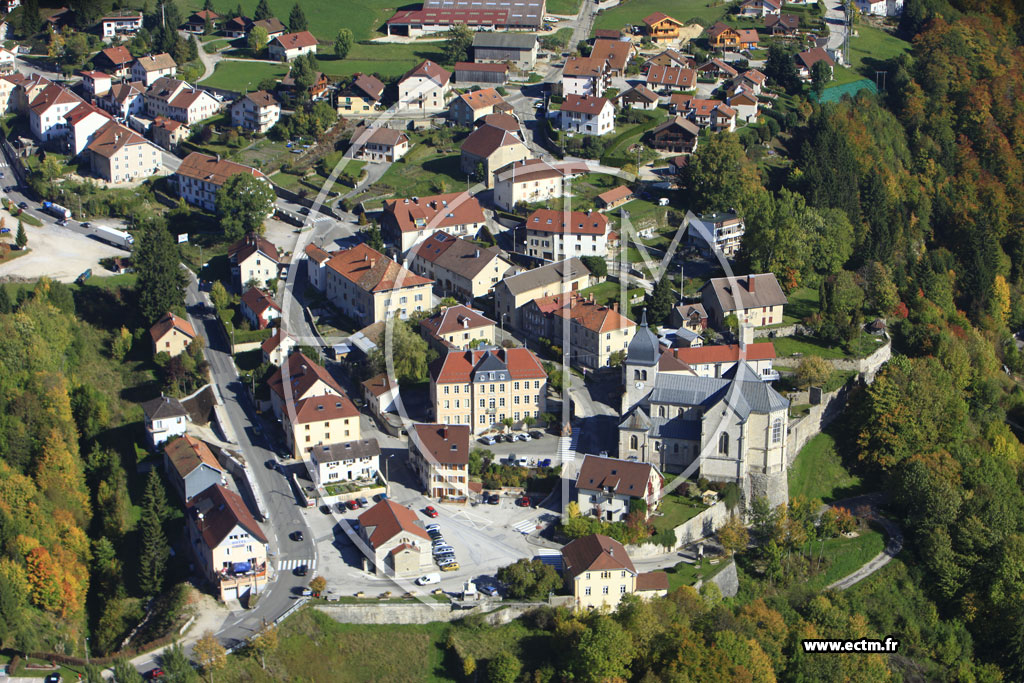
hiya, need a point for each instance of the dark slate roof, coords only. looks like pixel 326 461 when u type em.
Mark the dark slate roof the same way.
pixel 675 428
pixel 518 41
pixel 490 363
pixel 636 421
pixel 643 348
pixel 745 392
pixel 165 406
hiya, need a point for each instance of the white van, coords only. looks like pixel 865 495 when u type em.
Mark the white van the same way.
pixel 429 579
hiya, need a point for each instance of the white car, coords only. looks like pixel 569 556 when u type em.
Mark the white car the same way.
pixel 523 437
pixel 443 550
pixel 488 440
pixel 432 527
pixel 429 579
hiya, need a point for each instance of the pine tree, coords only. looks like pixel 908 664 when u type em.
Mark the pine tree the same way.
pixel 153 552
pixel 238 11
pixel 30 19
pixel 155 496
pixel 21 239
pixel 262 11
pixel 5 300
pixel 208 5
pixel 297 20
pixel 193 48
pixel 659 305
pixel 161 284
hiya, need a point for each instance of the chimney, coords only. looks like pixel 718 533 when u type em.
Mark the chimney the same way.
pixel 218 157
pixel 303 369
pixel 476 253
pixel 372 262
pixel 746 335
pixel 615 306
pixel 750 284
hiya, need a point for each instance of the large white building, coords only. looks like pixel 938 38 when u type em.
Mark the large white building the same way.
pixel 556 235
pixel 201 175
pixel 587 115
pixel 424 88
pixel 342 462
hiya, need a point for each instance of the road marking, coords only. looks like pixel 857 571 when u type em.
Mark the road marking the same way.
pixel 477 523
pixel 527 526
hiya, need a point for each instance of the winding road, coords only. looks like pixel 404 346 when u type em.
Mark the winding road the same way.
pixel 893 544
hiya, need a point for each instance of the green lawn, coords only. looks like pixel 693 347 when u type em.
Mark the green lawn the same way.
pixel 842 75
pixel 607 292
pixel 386 59
pixel 803 303
pixel 240 76
pixel 628 134
pixel 873 45
pixel 362 17
pixel 563 7
pixel 809 346
pixel 634 11
pixel 818 472
pixel 422 172
pixel 843 556
pixel 676 510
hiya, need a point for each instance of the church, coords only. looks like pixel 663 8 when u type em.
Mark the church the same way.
pixel 735 425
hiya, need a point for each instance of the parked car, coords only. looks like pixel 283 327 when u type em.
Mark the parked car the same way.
pixel 442 549
pixel 487 440
pixel 439 542
pixel 450 567
pixel 352 505
pixel 429 579
pixel 544 462
pixel 340 507
pixel 433 527
pixel 297 536
pixel 444 559
pixel 429 511
pixel 489 590
pixel 154 673
pixel 523 436
pixel 271 464
pixel 492 498
pixel 536 433
pixel 362 502
pixel 325 509
pixel 22 205
pixel 380 496
pixel 524 502
pixel 306 592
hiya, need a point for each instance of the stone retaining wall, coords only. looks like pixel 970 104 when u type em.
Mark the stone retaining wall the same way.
pixel 727 580
pixel 703 525
pixel 495 613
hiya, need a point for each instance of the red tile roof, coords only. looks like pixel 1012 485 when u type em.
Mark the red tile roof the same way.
pixel 657 17
pixel 222 511
pixel 302 374
pixel 579 223
pixel 672 75
pixel 81 111
pixel 158 62
pixel 487 139
pixel 50 96
pixel 447 444
pixel 259 302
pixel 623 477
pixel 616 194
pixel 316 254
pixel 324 408
pixel 485 97
pixel 294 41
pixel 249 245
pixel 808 58
pixel 428 69
pixel 387 519
pixel 112 137
pixel 587 104
pixel 169 322
pixel 724 353
pixel 438 211
pixel 379 385
pixel 455 318
pixel 458 366
pixel 616 52
pixel 372 271
pixel 212 169
pixel 117 56
pixel 595 553
pixel 186 453
pixel 583 67
pixel 652 581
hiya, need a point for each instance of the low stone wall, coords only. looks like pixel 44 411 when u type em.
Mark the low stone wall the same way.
pixel 495 613
pixel 703 525
pixel 810 425
pixel 784 331
pixel 867 366
pixel 727 580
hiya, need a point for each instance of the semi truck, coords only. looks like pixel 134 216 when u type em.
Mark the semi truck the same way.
pixel 57 210
pixel 118 238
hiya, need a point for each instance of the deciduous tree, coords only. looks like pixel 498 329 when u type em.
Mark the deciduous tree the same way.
pixel 457 44
pixel 243 203
pixel 209 654
pixel 343 43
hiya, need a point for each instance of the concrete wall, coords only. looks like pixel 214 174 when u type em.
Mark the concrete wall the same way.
pixel 727 580
pixel 703 525
pixel 867 366
pixel 784 331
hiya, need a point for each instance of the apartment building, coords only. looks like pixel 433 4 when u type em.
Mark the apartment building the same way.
pixel 362 94
pixel 585 76
pixel 587 115
pixel 716 232
pixel 456 327
pixel 120 155
pixel 408 221
pixel 754 299
pixel 253 258
pixel 256 111
pixel 600 572
pixel 150 68
pixel 514 292
pixel 47 111
pixel 200 176
pixel 531 181
pixel 424 88
pixel 349 461
pixel 458 267
pixel 556 235
pixel 379 144
pixel 82 123
pixel 596 332
pixel 369 287
pixel 481 388
pixel 285 48
pixel 439 455
pixel 124 100
pixel 179 101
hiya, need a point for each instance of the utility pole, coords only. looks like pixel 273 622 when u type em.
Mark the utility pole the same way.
pixel 881 88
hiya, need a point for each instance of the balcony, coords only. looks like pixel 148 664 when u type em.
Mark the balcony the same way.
pixel 770 375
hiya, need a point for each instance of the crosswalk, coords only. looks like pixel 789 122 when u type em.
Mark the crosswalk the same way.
pixel 551 557
pixel 526 527
pixel 288 565
pixel 567 447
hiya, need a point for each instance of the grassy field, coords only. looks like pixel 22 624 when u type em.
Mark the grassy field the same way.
pixel 634 11
pixel 819 473
pixel 607 292
pixel 240 76
pixel 844 556
pixel 809 346
pixel 803 302
pixel 563 7
pixel 676 510
pixel 873 45
pixel 215 45
pixel 385 59
pixel 326 17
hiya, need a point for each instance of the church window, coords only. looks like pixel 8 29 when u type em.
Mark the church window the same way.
pixel 777 431
pixel 723 444
pixel 633 442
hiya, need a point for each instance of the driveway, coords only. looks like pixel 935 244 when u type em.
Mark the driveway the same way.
pixel 835 18
pixel 893 544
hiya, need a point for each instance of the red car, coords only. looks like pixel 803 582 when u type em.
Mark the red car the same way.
pixel 352 505
pixel 524 502
pixel 429 511
pixel 154 674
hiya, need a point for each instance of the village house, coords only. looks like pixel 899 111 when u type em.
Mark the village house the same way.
pixel 236 27
pixel 692 317
pixel 318 90
pixel 424 88
pixel 381 395
pixel 259 308
pixel 514 292
pixel 168 133
pixel 196 22
pixel 47 111
pixel 8 64
pixel 600 572
pixel 518 49
pixel 124 100
pixel 806 60
pixel 122 23
pixel 457 328
pixel 116 61
pixel 276 347
pixel 406 222
pixel 345 462
pixel 290 46
pixel 200 176
pixel 316 266
pixel 637 97
pixel 712 114
pixel 614 198
pixel 254 259
pixel 755 300
pixel 551 236
pixel 605 487
pixel 312 407
pixel 361 94
pixel 171 335
pixel 596 332
pixel 468 107
pixel 716 233
pixel 671 78
pixel 489 148
pixel 458 267
pixel 716 69
pixel 152 67
pixel 120 155
pixel 532 180
pixel 662 28
pixel 82 124
pixel 255 111
pixel 760 8
pixel 587 115
pixel 743 101
pixel 481 388
pixel 164 418
pixel 227 543
pixel 670 58
pixel 399 545
pixel 783 25
pixel 95 84
pixel 273 26
pixel 369 287
pixel 616 53
pixel 379 144
pixel 585 76
pixel 439 455
pixel 677 135
pixel 177 100
pixel 191 467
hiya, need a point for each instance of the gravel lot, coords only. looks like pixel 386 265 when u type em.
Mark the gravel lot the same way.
pixel 56 252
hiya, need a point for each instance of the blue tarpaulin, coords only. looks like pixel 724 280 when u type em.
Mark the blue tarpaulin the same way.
pixel 242 567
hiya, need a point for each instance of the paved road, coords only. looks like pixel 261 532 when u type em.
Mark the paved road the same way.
pixel 893 545
pixel 835 19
